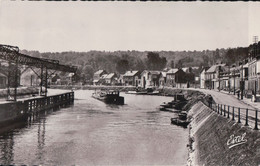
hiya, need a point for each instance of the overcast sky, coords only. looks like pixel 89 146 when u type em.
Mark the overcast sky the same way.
pixel 111 26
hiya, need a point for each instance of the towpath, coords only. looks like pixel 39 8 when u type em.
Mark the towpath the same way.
pixel 222 97
pixel 225 98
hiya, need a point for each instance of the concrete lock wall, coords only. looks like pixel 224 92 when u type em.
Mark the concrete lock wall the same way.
pixel 212 135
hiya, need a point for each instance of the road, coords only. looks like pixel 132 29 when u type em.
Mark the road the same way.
pixel 231 100
pixel 225 98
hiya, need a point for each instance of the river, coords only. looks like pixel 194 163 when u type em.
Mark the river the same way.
pixel 93 133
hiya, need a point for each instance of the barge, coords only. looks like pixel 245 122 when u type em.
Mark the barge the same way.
pixel 109 97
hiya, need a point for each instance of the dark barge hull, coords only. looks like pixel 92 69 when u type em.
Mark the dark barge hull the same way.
pixel 111 100
pixel 178 122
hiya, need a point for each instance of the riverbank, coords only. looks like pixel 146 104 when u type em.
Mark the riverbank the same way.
pixel 211 140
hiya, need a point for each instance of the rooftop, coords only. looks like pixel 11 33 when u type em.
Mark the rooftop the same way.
pixel 131 73
pixel 109 76
pixel 213 68
pixel 99 72
pixel 172 71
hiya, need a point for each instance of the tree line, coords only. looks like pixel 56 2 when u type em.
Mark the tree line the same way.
pixel 121 61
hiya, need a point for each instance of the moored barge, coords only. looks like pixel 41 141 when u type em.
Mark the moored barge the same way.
pixel 109 97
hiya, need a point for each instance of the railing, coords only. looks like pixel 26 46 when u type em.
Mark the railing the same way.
pixel 246 116
pixel 37 104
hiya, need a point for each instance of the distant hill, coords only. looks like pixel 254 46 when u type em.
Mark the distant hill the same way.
pixel 118 61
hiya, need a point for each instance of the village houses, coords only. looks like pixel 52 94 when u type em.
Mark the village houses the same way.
pixel 97 76
pixel 132 78
pixel 150 78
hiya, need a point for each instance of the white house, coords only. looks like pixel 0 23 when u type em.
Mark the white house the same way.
pixel 203 77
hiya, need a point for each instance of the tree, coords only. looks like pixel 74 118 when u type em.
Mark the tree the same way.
pixel 88 71
pixel 172 64
pixel 155 62
pixel 179 64
pixel 139 65
pixel 122 66
pixel 230 56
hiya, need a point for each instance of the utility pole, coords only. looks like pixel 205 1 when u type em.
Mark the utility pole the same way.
pixel 255 40
pixel 234 72
pixel 229 79
pixel 219 78
pixel 242 82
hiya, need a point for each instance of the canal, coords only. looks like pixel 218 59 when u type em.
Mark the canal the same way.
pixel 93 133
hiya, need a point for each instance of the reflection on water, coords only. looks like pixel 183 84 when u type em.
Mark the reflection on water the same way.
pixel 6 145
pixel 94 133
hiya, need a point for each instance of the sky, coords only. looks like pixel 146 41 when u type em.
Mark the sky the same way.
pixel 144 26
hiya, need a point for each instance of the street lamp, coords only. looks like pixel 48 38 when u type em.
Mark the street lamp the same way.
pixel 242 83
pixel 234 81
pixel 218 78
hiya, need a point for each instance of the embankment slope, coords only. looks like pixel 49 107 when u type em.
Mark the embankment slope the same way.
pixel 211 132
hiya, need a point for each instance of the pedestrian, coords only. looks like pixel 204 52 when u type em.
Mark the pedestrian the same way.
pixel 253 96
pixel 238 94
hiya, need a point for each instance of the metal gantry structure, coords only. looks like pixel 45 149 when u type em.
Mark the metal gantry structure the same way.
pixel 12 55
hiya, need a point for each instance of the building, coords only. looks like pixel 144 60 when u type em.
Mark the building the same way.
pixel 67 79
pixel 224 79
pixel 183 79
pixel 203 77
pixel 212 76
pixel 11 78
pixel 102 80
pixel 234 78
pixel 190 77
pixel 170 77
pixel 244 75
pixel 253 74
pixel 56 80
pixel 131 78
pixel 120 80
pixel 111 79
pixel 97 76
pixel 150 78
pixel 3 81
pixel 162 79
pixel 185 69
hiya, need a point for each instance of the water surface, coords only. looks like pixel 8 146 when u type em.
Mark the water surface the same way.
pixel 93 133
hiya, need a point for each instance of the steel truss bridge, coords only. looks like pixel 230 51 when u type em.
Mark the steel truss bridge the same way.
pixel 13 57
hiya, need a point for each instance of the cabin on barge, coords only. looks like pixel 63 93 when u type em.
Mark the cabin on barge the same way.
pixel 109 97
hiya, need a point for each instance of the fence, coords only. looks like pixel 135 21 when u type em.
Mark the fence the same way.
pixel 37 104
pixel 248 117
pixel 10 112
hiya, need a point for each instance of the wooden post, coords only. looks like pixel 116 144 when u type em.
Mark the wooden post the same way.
pixel 46 81
pixel 256 125
pixel 228 113
pixel 233 117
pixel 15 79
pixel 224 110
pixel 246 117
pixel 221 110
pixel 41 80
pixel 9 81
pixel 238 116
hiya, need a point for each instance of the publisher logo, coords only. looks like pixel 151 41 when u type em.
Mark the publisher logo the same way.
pixel 236 140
